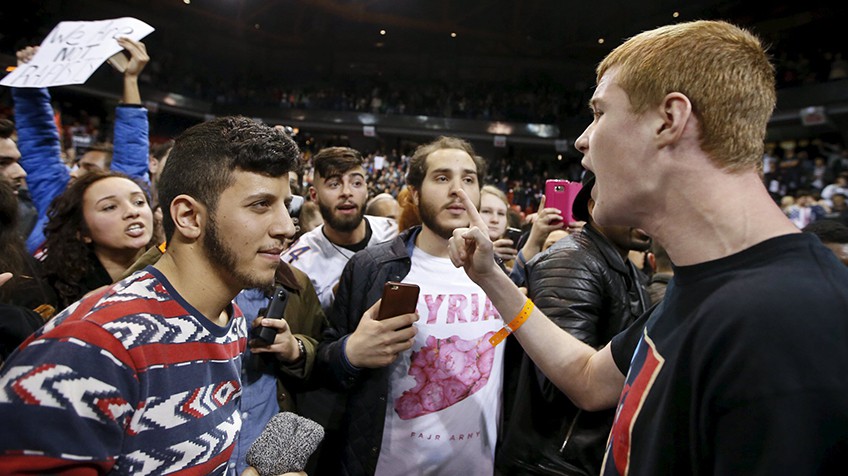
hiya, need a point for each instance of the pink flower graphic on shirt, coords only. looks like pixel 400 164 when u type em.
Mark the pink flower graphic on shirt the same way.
pixel 446 371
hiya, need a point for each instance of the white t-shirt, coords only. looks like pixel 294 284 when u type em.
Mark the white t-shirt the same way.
pixel 445 393
pixel 324 261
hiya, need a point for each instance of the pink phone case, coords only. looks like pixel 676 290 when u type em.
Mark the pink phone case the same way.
pixel 560 194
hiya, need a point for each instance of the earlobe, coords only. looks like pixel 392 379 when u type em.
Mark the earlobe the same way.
pixel 189 216
pixel 675 111
pixel 313 194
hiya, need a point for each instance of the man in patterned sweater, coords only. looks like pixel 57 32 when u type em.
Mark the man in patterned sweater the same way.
pixel 143 377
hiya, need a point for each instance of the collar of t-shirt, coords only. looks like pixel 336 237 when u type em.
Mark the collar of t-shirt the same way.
pixel 362 244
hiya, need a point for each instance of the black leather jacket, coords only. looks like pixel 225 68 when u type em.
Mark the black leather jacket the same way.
pixel 584 286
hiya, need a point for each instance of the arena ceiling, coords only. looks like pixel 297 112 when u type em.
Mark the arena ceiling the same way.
pixel 335 31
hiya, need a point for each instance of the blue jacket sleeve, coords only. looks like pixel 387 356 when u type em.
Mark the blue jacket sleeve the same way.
pixel 132 142
pixel 41 157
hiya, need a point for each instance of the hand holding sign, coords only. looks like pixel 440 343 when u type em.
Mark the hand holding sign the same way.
pixel 73 51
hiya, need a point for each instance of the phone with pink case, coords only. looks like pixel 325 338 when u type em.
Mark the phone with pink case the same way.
pixel 559 194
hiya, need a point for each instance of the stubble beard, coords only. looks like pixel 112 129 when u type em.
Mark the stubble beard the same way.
pixel 225 260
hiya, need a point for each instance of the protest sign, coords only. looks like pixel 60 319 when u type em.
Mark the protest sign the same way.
pixel 73 51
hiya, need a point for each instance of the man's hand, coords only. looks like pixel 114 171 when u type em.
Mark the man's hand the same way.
pixel 471 247
pixel 285 345
pixel 377 344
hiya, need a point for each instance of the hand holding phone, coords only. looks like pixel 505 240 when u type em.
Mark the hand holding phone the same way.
pixel 275 310
pixel 514 234
pixel 398 298
pixel 560 194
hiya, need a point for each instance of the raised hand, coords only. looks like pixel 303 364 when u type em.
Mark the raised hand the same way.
pixel 26 54
pixel 545 221
pixel 471 247
pixel 138 55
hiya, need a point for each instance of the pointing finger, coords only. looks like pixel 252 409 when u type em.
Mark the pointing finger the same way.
pixel 471 209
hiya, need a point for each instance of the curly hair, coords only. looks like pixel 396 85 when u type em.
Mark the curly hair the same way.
pixel 69 259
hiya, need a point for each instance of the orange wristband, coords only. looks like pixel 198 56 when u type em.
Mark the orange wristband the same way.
pixel 514 324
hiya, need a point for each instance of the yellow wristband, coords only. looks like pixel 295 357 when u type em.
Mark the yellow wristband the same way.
pixel 514 324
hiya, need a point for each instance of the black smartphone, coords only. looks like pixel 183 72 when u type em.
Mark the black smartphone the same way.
pixel 275 310
pixel 514 234
pixel 398 298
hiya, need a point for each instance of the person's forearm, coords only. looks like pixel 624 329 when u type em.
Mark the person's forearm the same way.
pixel 131 91
pixel 530 249
pixel 588 378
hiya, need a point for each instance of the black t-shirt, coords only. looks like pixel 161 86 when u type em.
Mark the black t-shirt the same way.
pixel 743 368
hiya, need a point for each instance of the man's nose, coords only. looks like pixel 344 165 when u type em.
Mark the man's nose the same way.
pixel 16 172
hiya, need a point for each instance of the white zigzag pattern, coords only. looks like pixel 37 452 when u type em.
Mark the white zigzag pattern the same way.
pixel 141 329
pixel 11 374
pixel 59 318
pixel 193 452
pixel 61 387
pixel 134 289
pixel 162 414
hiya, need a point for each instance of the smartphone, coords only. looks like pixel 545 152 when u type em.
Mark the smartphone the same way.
pixel 560 194
pixel 514 234
pixel 275 310
pixel 398 298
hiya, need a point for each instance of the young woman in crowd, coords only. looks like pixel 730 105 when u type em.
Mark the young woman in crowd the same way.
pixel 98 227
pixel 494 208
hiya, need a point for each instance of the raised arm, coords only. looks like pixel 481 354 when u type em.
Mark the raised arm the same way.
pixel 589 377
pixel 132 130
pixel 41 150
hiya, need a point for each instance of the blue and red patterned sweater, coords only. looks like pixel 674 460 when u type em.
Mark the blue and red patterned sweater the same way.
pixel 132 380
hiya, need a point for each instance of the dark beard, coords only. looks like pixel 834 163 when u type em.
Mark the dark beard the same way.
pixel 428 219
pixel 344 225
pixel 225 260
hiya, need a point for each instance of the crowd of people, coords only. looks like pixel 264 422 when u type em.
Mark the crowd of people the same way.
pixel 138 280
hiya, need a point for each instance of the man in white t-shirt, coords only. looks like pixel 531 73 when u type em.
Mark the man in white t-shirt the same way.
pixel 340 190
pixel 423 399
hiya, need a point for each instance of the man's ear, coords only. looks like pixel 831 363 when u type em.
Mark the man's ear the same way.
pixel 152 164
pixel 413 196
pixel 313 194
pixel 190 217
pixel 675 113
